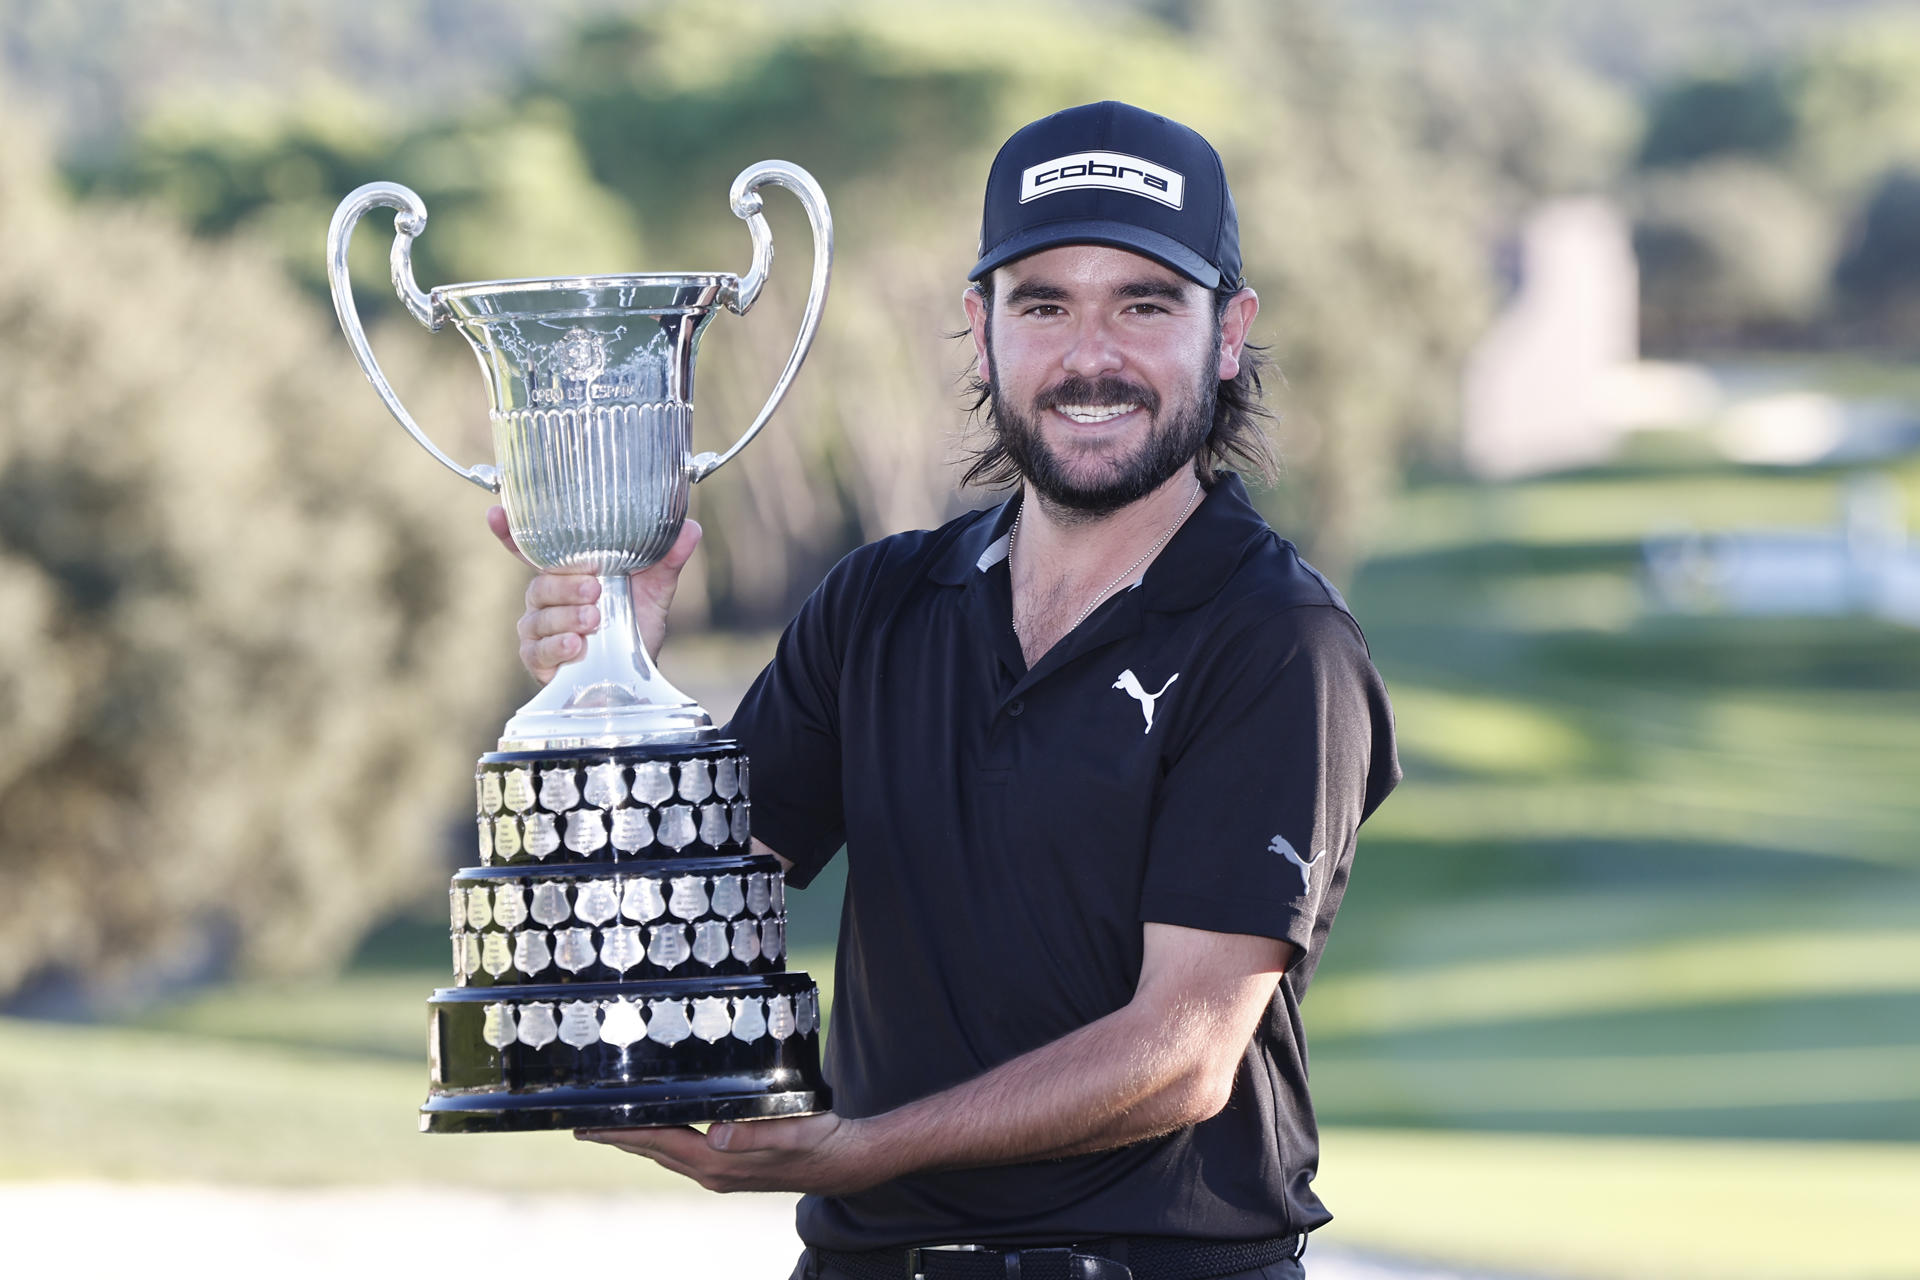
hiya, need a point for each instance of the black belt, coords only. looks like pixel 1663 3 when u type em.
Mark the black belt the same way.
pixel 1131 1258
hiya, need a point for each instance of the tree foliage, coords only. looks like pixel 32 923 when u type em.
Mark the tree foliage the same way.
pixel 251 645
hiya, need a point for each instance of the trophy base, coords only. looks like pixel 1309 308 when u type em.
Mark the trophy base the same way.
pixel 620 952
pixel 640 1108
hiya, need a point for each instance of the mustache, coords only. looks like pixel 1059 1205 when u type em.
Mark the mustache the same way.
pixel 1097 392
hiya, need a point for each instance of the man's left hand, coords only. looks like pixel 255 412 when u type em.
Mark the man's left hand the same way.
pixel 823 1155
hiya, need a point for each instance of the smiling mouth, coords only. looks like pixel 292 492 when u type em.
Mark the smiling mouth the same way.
pixel 1093 414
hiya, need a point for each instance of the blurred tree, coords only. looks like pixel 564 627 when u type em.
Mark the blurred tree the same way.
pixel 1729 250
pixel 250 652
pixel 1529 127
pixel 1878 276
pixel 1750 113
pixel 1857 102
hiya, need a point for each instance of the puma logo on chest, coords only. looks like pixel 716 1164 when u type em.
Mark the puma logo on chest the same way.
pixel 1129 684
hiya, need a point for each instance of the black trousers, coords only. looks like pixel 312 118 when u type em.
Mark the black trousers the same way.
pixel 1287 1269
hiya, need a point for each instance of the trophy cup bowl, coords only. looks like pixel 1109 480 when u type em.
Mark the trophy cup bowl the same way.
pixel 619 952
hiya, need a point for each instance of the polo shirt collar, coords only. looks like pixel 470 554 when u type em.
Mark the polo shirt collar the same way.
pixel 1189 570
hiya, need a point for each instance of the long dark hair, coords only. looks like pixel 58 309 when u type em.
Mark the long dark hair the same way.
pixel 1239 439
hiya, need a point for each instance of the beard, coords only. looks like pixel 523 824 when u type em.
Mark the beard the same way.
pixel 1172 443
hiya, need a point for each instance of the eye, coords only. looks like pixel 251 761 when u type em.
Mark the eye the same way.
pixel 1146 309
pixel 1042 309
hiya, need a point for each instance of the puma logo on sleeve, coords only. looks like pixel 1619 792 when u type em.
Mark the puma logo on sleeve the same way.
pixel 1130 684
pixel 1280 846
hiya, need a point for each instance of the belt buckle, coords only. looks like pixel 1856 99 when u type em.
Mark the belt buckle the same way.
pixel 914 1267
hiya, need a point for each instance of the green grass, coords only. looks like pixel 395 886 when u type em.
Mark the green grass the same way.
pixel 1647 1208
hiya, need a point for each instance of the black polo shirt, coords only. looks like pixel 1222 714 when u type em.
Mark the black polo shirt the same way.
pixel 1198 752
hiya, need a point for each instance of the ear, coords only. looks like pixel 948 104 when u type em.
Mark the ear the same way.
pixel 1236 322
pixel 976 306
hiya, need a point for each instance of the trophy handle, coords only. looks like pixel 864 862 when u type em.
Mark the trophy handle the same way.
pixel 409 220
pixel 740 296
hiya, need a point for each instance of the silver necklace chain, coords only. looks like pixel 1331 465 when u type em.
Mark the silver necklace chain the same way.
pixel 1013 535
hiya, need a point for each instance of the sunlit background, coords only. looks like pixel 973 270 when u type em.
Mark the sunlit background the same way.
pixel 1598 325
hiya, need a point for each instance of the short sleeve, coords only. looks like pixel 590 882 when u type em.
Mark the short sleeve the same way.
pixel 1286 748
pixel 789 724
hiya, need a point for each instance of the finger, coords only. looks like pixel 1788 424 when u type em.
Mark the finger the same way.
pixel 552 588
pixel 682 549
pixel 674 1143
pixel 559 620
pixel 497 521
pixel 548 655
pixel 658 581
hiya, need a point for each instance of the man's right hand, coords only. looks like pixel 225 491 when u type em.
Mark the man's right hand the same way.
pixel 562 610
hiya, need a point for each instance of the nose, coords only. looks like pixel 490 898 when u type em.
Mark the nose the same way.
pixel 1093 351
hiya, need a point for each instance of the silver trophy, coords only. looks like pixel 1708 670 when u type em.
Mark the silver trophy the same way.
pixel 591 384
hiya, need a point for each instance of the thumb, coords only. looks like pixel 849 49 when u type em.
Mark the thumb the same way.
pixel 497 522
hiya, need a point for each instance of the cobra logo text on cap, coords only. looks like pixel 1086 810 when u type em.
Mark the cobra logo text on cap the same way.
pixel 1109 169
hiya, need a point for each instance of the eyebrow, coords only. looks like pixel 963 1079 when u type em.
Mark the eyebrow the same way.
pixel 1164 290
pixel 1040 291
pixel 1035 291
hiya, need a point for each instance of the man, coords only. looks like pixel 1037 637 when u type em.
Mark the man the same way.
pixel 1097 757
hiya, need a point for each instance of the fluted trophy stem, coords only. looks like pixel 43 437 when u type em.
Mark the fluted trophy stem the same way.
pixel 603 698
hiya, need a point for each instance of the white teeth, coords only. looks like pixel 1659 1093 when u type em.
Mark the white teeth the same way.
pixel 1095 413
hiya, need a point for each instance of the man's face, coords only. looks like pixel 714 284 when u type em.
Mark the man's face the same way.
pixel 1104 368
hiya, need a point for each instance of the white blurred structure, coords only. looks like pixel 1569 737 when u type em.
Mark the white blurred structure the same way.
pixel 1535 387
pixel 1866 565
pixel 1556 382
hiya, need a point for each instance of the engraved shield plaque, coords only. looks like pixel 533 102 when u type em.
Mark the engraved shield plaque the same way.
pixel 509 905
pixel 543 837
pixel 550 903
pixel 586 830
pixel 606 785
pixel 728 898
pixel 499 1028
pixel 676 826
pixel 620 947
pixel 667 1021
pixel 595 902
pixel 642 900
pixel 780 1017
pixel 713 824
pixel 631 830
pixel 537 1027
pixel 579 1023
pixel 558 791
pixel 532 951
pixel 516 789
pixel 710 1020
pixel 710 942
pixel 652 781
pixel 689 900
pixel 696 783
pixel 622 1025
pixel 668 946
pixel 574 949
pixel 749 1021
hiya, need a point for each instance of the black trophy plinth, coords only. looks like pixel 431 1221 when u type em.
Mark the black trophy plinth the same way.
pixel 620 952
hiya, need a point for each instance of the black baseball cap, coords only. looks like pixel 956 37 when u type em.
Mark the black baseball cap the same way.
pixel 1112 174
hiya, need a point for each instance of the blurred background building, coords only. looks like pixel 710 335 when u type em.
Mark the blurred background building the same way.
pixel 1598 327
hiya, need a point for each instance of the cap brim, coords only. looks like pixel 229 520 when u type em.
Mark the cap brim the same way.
pixel 1115 235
